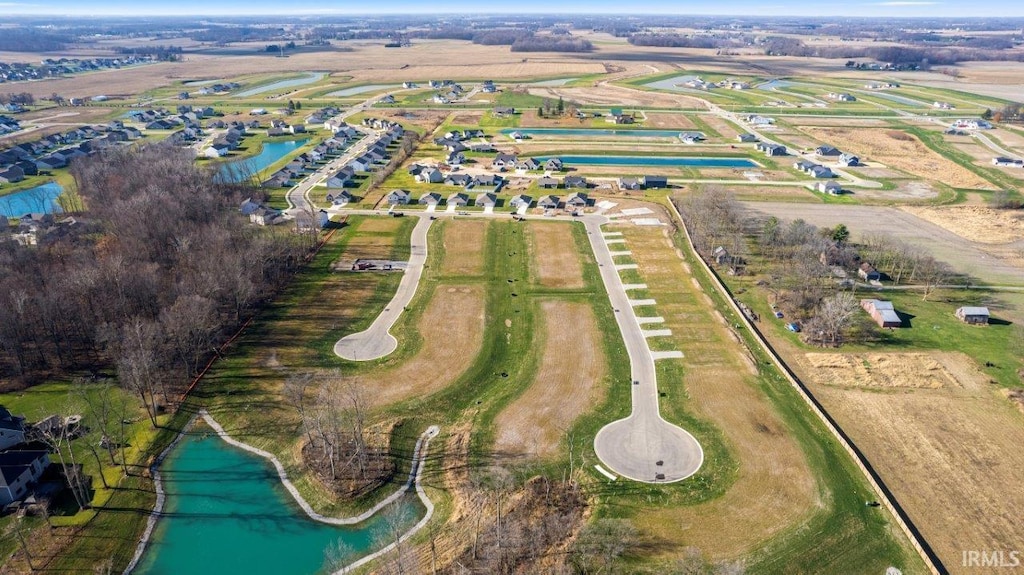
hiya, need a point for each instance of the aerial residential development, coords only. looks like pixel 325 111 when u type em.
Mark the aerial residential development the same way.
pixel 693 289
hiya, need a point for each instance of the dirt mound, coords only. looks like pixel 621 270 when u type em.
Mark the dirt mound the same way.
pixel 976 223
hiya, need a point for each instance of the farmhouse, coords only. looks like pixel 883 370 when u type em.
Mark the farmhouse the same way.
pixel 882 312
pixel 827 151
pixel 973 315
pixel 868 272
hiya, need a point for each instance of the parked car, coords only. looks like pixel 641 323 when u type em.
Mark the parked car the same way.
pixel 793 327
pixel 778 314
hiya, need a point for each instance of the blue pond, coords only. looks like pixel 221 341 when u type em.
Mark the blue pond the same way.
pixel 674 84
pixel 355 90
pixel 227 513
pixel 40 199
pixel 675 162
pixel 594 133
pixel 307 79
pixel 241 170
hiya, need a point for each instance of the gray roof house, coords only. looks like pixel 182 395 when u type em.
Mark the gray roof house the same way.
pixel 577 200
pixel 745 138
pixel 548 202
pixel 574 182
pixel 547 183
pixel 553 165
pixel 651 182
pixel 430 199
pixel 772 149
pixel 486 200
pixel 629 183
pixel 430 176
pixel 458 199
pixel 398 197
pixel 458 180
pixel 502 161
pixel 520 200
pixel 848 160
pixel 18 471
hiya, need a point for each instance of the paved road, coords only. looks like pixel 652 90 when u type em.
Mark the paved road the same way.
pixel 634 446
pixel 376 341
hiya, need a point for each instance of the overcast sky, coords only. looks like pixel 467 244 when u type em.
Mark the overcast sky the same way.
pixel 881 8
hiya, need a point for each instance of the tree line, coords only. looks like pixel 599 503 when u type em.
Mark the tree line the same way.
pixel 146 284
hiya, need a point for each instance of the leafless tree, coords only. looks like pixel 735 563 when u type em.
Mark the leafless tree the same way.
pixel 833 317
pixel 137 365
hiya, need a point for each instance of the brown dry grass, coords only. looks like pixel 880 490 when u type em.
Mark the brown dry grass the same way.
pixel 555 255
pixel 669 121
pixel 453 320
pixel 463 242
pixel 909 155
pixel 775 489
pixel 976 223
pixel 564 388
pixel 892 370
pixel 727 129
pixel 951 456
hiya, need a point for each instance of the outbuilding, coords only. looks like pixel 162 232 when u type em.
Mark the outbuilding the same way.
pixel 973 315
pixel 882 312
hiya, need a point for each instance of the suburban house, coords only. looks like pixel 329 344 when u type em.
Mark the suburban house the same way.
pixel 247 208
pixel 655 182
pixel 340 199
pixel 973 315
pixel 629 183
pixel 868 272
pixel 942 105
pixel 503 161
pixel 430 176
pixel 821 172
pixel 430 199
pixel 217 150
pixel 882 312
pixel 528 164
pixel 577 200
pixel 840 97
pixel 757 120
pixel 547 183
pixel 830 188
pixel 520 200
pixel 397 197
pixel 503 111
pixel 458 180
pixel 548 202
pixel 691 137
pixel 517 135
pixel 771 149
pixel 848 160
pixel 18 471
pixel 486 200
pixel 362 164
pixel 458 199
pixel 553 165
pixel 574 182
pixel 341 178
pixel 617 117
pixel 827 151
pixel 455 158
pixel 746 138
pixel 972 125
pixel 12 175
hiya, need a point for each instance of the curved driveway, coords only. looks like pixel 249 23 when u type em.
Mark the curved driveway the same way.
pixel 376 341
pixel 643 447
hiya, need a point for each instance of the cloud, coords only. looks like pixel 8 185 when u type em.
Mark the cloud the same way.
pixel 906 3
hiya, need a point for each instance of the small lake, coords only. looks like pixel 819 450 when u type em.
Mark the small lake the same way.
pixel 280 85
pixel 355 90
pixel 555 82
pixel 594 133
pixel 227 513
pixel 663 161
pixel 901 99
pixel 40 199
pixel 674 84
pixel 241 170
pixel 773 84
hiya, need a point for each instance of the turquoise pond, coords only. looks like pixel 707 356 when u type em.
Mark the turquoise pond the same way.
pixel 594 133
pixel 282 84
pixel 227 513
pixel 356 90
pixel 240 170
pixel 675 162
pixel 40 199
